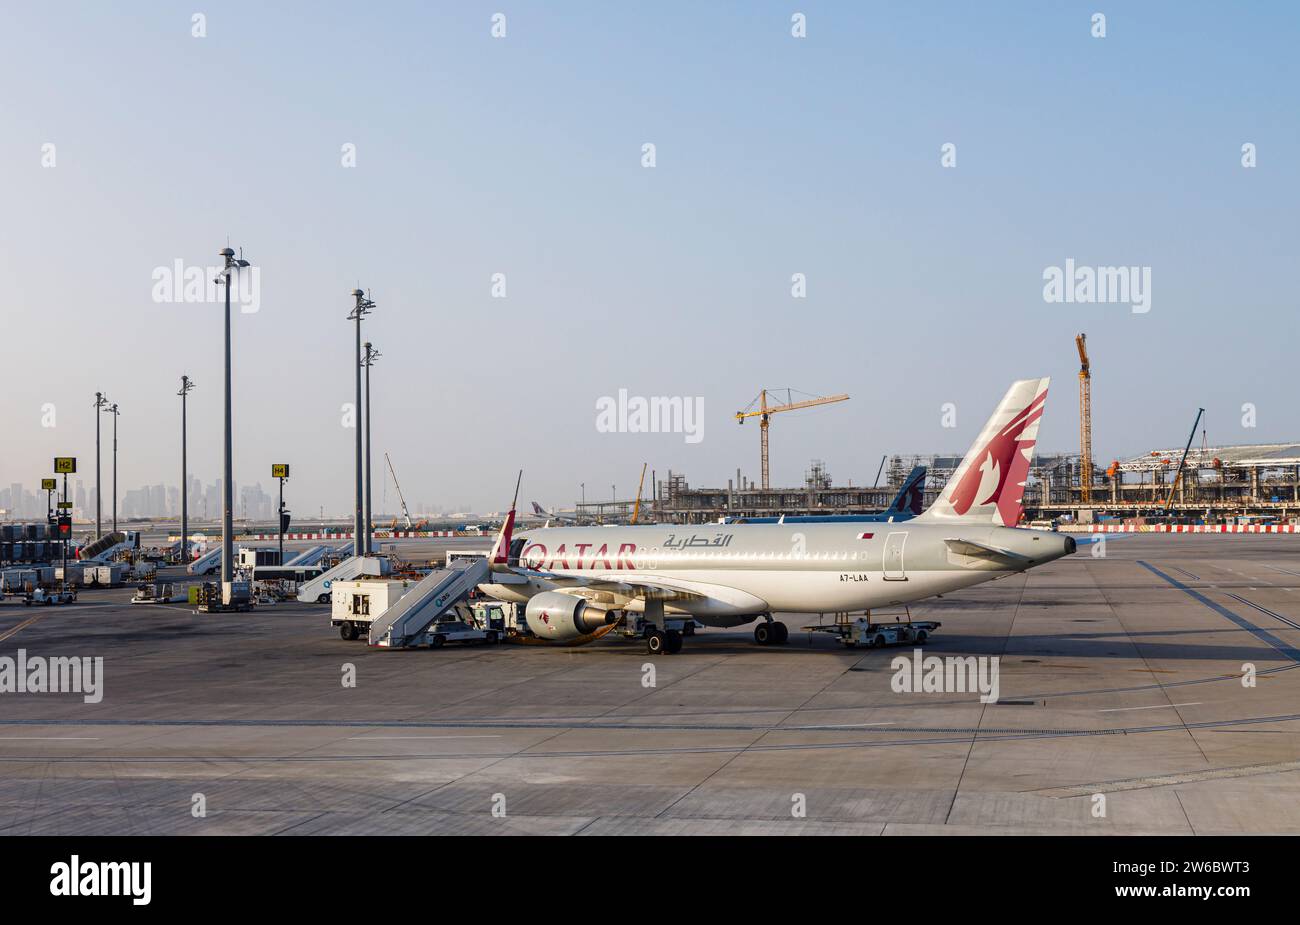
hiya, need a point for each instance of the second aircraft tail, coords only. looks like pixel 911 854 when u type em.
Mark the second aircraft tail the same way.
pixel 911 497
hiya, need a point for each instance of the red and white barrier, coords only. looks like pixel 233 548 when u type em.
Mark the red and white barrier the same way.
pixel 377 534
pixel 1184 528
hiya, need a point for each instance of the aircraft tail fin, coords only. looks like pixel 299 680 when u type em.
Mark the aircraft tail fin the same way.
pixel 539 510
pixel 989 484
pixel 499 557
pixel 500 554
pixel 911 497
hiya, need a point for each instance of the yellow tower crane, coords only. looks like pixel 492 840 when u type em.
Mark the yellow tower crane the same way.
pixel 764 411
pixel 1085 421
pixel 636 508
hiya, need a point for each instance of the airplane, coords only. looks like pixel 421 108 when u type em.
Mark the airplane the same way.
pixel 576 581
pixel 560 516
pixel 908 504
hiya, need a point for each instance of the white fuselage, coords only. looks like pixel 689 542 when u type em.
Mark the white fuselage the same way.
pixel 727 574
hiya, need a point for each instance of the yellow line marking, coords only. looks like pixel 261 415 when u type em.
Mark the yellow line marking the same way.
pixel 13 630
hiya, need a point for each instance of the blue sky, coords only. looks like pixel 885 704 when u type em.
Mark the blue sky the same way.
pixel 522 156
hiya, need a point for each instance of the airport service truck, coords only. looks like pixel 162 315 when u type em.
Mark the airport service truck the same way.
pixel 355 604
pixel 864 632
pixel 49 596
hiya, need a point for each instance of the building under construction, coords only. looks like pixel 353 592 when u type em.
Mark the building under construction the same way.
pixel 1209 484
pixel 1218 484
pixel 677 502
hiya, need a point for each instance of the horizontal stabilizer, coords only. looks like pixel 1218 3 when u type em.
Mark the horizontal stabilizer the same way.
pixel 1004 557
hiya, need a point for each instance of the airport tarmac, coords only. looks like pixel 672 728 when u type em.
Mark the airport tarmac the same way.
pixel 1119 675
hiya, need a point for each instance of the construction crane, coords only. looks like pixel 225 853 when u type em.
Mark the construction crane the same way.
pixel 764 411
pixel 1169 502
pixel 1085 421
pixel 405 513
pixel 636 508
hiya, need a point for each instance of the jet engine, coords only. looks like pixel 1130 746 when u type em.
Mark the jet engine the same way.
pixel 559 616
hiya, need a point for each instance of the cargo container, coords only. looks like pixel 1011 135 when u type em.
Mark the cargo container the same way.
pixel 354 604
pixel 18 580
pixel 110 576
pixel 75 574
pixel 252 557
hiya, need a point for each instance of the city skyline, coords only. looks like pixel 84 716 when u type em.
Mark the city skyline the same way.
pixel 162 501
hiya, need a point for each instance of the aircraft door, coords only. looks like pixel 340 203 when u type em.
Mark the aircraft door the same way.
pixel 893 557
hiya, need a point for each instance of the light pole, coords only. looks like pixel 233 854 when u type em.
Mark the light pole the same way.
pixel 187 386
pixel 113 411
pixel 227 525
pixel 371 354
pixel 280 471
pixel 279 513
pixel 99 490
pixel 65 526
pixel 363 307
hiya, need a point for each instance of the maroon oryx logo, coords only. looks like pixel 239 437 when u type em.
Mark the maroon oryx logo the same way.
pixel 1004 461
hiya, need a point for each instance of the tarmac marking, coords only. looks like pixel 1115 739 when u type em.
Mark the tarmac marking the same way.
pixel 1264 610
pixel 937 736
pixel 1167 780
pixel 1263 635
pixel 14 630
pixel 386 738
pixel 1158 706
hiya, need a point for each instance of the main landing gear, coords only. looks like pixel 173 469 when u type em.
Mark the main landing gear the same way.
pixel 771 632
pixel 658 641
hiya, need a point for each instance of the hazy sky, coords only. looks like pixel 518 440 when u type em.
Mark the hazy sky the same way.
pixel 523 156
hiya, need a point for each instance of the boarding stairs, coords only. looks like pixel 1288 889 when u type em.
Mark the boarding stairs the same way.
pixel 209 561
pixel 436 594
pixel 318 589
pixel 309 556
pixel 103 550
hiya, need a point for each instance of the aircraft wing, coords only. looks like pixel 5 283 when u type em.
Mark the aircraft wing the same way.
pixel 1003 558
pixel 720 598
